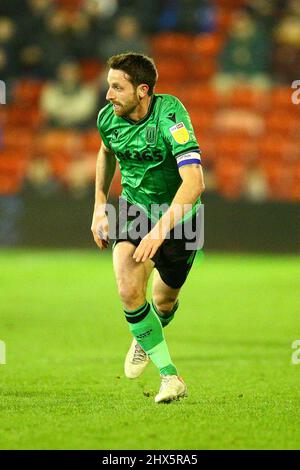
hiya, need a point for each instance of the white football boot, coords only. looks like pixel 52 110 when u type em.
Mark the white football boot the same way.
pixel 136 361
pixel 172 388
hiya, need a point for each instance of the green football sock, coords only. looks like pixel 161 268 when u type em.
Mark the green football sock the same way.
pixel 166 319
pixel 145 326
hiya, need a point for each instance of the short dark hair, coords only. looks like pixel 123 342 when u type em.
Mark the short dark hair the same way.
pixel 139 67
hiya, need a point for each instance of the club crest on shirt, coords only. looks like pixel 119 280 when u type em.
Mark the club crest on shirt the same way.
pixel 150 135
pixel 180 133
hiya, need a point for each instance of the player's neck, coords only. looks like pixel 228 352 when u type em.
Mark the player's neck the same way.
pixel 141 110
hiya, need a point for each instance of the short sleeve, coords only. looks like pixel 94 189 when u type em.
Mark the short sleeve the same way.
pixel 178 131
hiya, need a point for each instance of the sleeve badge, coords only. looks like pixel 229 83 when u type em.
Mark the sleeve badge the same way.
pixel 180 133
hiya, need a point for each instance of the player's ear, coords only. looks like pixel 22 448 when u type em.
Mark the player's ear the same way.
pixel 143 90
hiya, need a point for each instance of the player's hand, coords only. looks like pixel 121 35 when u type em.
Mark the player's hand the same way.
pixel 148 246
pixel 100 229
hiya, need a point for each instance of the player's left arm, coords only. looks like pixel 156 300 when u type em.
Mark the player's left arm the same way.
pixel 191 188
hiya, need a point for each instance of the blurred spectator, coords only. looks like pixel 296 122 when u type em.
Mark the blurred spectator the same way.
pixel 14 8
pixel 8 62
pixel 256 188
pixel 33 16
pixel 39 178
pixel 286 54
pixel 245 57
pixel 100 8
pixel 264 12
pixel 84 38
pixel 125 37
pixel 146 12
pixel 79 177
pixel 48 46
pixel 293 8
pixel 189 16
pixel 101 14
pixel 67 102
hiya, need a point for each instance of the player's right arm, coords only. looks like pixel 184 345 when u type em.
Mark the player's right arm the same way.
pixel 105 170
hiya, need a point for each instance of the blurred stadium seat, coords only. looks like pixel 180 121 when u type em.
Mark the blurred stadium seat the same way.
pixel 224 18
pixel 230 177
pixel 18 139
pixel 16 115
pixel 59 164
pixel 278 176
pixel 172 70
pixel 281 98
pixel 202 120
pixel 235 148
pixel 277 148
pixel 207 143
pixel 249 98
pixel 27 92
pixel 165 45
pixel 70 5
pixel 57 140
pixel 204 96
pixel 207 45
pixel 13 167
pixel 91 141
pixel 90 69
pixel 202 70
pixel 282 122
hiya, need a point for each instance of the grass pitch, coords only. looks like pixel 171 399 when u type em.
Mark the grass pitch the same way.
pixel 63 386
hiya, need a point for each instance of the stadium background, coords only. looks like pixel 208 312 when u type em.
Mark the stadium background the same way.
pixel 232 63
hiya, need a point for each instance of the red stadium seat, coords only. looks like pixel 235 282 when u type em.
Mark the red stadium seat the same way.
pixel 202 120
pixel 232 4
pixel 207 45
pixel 70 5
pixel 59 164
pixel 294 187
pixel 18 139
pixel 207 144
pixel 235 147
pixel 202 70
pixel 18 116
pixel 91 141
pixel 249 98
pixel 230 177
pixel 55 140
pixel 91 69
pixel 165 87
pixel 27 92
pixel 281 98
pixel 204 96
pixel 278 176
pixel 13 167
pixel 282 122
pixel 224 20
pixel 166 45
pixel 173 70
pixel 277 148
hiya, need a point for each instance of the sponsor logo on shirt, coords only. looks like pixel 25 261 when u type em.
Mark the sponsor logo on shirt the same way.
pixel 180 133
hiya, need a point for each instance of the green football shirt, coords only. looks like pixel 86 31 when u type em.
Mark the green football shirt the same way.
pixel 151 151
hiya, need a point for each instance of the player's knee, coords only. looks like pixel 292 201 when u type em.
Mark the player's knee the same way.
pixel 130 294
pixel 163 304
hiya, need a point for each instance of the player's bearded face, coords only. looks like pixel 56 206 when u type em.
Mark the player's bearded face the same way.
pixel 121 93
